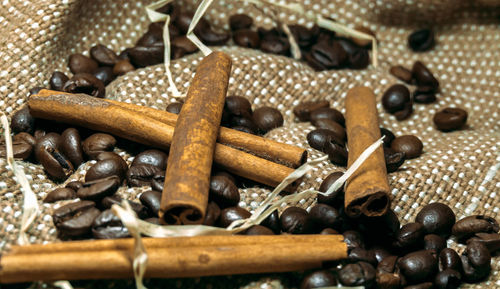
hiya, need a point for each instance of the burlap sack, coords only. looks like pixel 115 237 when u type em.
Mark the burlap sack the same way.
pixel 457 168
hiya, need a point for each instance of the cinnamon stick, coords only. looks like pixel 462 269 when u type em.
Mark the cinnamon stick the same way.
pixel 367 190
pixel 173 257
pixel 285 154
pixel 187 179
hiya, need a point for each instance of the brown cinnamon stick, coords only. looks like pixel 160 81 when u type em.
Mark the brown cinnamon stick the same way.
pixel 187 179
pixel 173 257
pixel 367 190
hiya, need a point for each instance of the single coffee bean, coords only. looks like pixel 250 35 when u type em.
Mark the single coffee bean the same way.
pixel 359 59
pixel 357 274
pixel 337 154
pixel 240 21
pixel 266 118
pixel 336 198
pixel 70 145
pixel 39 133
pixel 437 218
pixel 22 121
pixel 295 220
pixel 273 222
pixel 79 63
pixel 142 56
pixel 388 275
pixel 122 67
pixel 303 36
pixel 153 36
pixel 152 200
pixel 209 36
pixel 50 140
pixel 183 20
pixel 152 157
pixel 393 160
pixel 476 262
pixel 328 231
pixel 140 210
pixel 174 107
pixel 57 166
pixel 408 144
pixel 313 62
pixel 103 55
pixel 449 259
pixel 491 241
pixel 303 110
pixel 224 192
pixel 182 42
pixel 423 76
pixel 447 279
pixel 421 40
pixel 243 121
pixel 419 266
pixel 410 237
pixel 323 278
pixel 424 94
pixel 449 119
pixel 141 175
pixel 20 149
pixel 275 45
pixel 111 155
pixel 246 38
pixel 395 98
pixel 74 185
pixel 335 127
pixel 468 226
pixel 105 168
pixel 325 216
pixel 225 174
pixel 97 143
pixel 320 138
pixel 231 214
pixel 329 54
pixel 425 285
pixel 85 83
pixel 328 113
pixel 24 137
pixel 258 230
pixel 57 80
pixel 108 226
pixel 99 189
pixel 405 112
pixel 360 254
pixel 401 73
pixel 60 194
pixel 105 74
pixel 385 229
pixel 212 215
pixel 75 219
pixel 124 54
pixel 380 253
pixel 158 181
pixel 353 239
pixel 434 242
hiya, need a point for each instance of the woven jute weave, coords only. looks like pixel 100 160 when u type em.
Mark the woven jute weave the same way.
pixel 38 36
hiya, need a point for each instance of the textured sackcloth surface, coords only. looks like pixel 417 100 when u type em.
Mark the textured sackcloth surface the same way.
pixel 38 36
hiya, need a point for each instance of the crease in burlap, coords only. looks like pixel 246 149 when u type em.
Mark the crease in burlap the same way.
pixel 38 37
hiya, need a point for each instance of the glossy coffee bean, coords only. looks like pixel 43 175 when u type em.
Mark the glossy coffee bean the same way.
pixel 337 154
pixel 275 45
pixel 303 36
pixel 246 38
pixel 360 254
pixel 380 253
pixel 359 59
pixel 140 210
pixel 70 145
pixel 353 239
pixel 240 21
pixel 142 56
pixel 434 242
pixel 421 40
pixel 295 220
pixel 328 113
pixel 24 137
pixel 122 67
pixel 153 35
pixel 105 74
pixel 98 189
pixel 320 138
pixel 39 133
pixel 231 214
pixel 319 279
pixel 97 143
pixel 258 230
pixel 238 106
pixel 395 98
pixel 85 83
pixel 79 63
pixel 424 94
pixel 335 127
pixel 437 218
pixel 393 160
pixel 357 274
pixel 152 157
pixel 111 155
pixel 419 266
pixel 182 42
pixel 212 215
pixel 266 118
pixel 108 226
pixel 325 216
pixel 447 279
pixel 408 144
pixel 476 262
pixel 337 197
pixel 423 76
pixel 273 222
pixel 410 237
pixel 151 200
pixel 103 55
pixel 174 107
pixel 57 80
pixel 50 140
pixel 449 119
pixel 210 37
pixel 57 166
pixel 75 219
pixel 20 149
pixel 60 194
pixel 329 54
pixel 425 285
pixel 388 275
pixel 401 73
pixel 22 121
pixel 74 185
pixel 405 112
pixel 106 168
pixel 141 175
pixel 243 121
pixel 490 240
pixel 449 259
pixel 303 110
pixel 224 192
pixel 468 226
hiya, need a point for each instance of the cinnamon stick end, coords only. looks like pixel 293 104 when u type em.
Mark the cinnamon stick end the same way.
pixel 373 205
pixel 181 216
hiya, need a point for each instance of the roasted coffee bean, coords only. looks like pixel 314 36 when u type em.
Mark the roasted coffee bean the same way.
pixel 75 219
pixel 182 42
pixel 337 154
pixel 103 55
pixel 74 185
pixel 447 279
pixel 70 145
pixel 243 121
pixel 325 216
pixel 273 222
pixel 359 59
pixel 275 45
pixel 393 160
pixel 419 266
pixel 124 54
pixel 318 279
pixel 20 149
pixel 319 139
pixel 98 189
pixel 85 83
pixel 140 210
pixel 423 76
pixel 158 181
pixel 449 119
pixel 50 140
pixel 111 155
pixel 335 127
pixel 152 157
pixel 329 54
pixel 424 94
pixel 24 137
pixel 357 274
pixel 141 175
pixel 79 63
pixel 224 192
pixel 183 20
pixel 468 226
pixel 303 110
pixel 421 40
pixel 380 253
pixel 405 112
pixel 360 254
pixel 363 42
pixel 57 80
pixel 153 36
pixel 425 285
pixel 295 220
pixel 108 226
pixel 231 214
pixel 258 230
pixel 39 133
pixel 449 259
pixel 209 36
pixel 303 36
pixel 152 200
pixel 225 174
pixel 266 118
pixel 401 73
pixel 142 56
pixel 246 38
pixel 104 74
pixel 55 164
pixel 313 62
pixel 22 121
pixel 434 242
pixel 174 107
pixel 388 275
pixel 384 229
pixel 106 168
pixel 328 231
pixel 353 239
pixel 395 98
pixel 491 241
pixel 476 262
pixel 410 237
pixel 437 218
pixel 240 21
pixel 336 198
pixel 328 113
pixel 122 67
pixel 97 143
pixel 212 214
pixel 60 194
pixel 408 144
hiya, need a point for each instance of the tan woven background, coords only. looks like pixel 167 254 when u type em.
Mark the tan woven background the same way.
pixel 38 36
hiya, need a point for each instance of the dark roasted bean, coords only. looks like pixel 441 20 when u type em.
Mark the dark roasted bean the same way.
pixel 328 113
pixel 424 94
pixel 335 127
pixel 320 138
pixel 158 181
pixel 337 197
pixel 103 55
pixel 337 154
pixel 75 219
pixel 212 215
pixel 141 175
pixel 238 106
pixel 24 137
pixel 325 216
pixel 98 189
pixel 421 40
pixel 140 210
pixel 353 239
pixel 152 157
pixel 318 279
pixel 395 98
pixel 55 164
pixel 357 274
pixel 182 42
pixel 74 185
pixel 380 253
pixel 491 241
pixel 60 194
pixel 449 119
pixel 240 21
pixel 97 143
pixel 104 74
pixel 295 220
pixel 476 262
pixel 359 59
pixel 246 38
pixel 108 226
pixel 388 275
pixel 153 36
pixel 383 228
pixel 70 145
pixel 410 237
pixel 50 140
pixel 142 56
pixel 224 192
pixel 408 144
pixel 243 121
pixel 329 54
pixel 106 168
pixel 393 160
pixel 258 230
pixel 85 83
pixel 267 118
pixel 405 112
pixel 79 63
pixel 231 214
pixel 111 155
pixel 152 200
pixel 303 110
pixel 402 73
pixel 174 107
pixel 122 67
pixel 360 254
pixel 225 174
pixel 437 218
pixel 419 266
pixel 273 222
pixel 57 80
pixel 434 242
pixel 303 36
pixel 423 76
pixel 20 149
pixel 468 226
pixel 209 36
pixel 447 279
pixel 275 45
pixel 449 259
pixel 22 121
